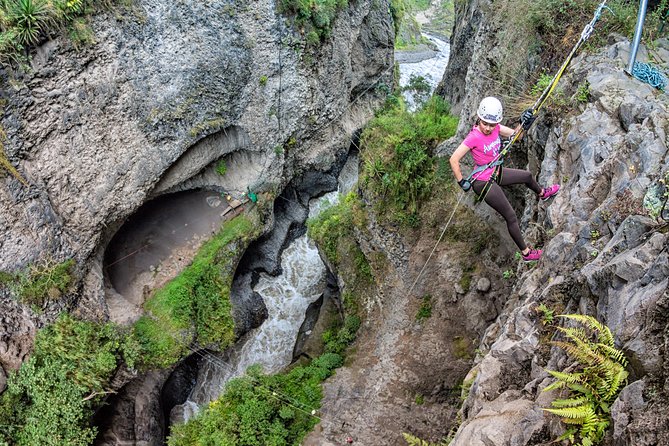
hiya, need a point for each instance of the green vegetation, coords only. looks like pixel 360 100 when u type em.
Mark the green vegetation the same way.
pixel 549 29
pixel 221 168
pixel 398 10
pixel 553 18
pixel 263 80
pixel 339 337
pixel 205 127
pixel 547 314
pixel 415 441
pixel 41 282
pixel 399 169
pixel 259 410
pixel 199 297
pixel 655 200
pixel 467 384
pixel 50 400
pixel 461 348
pixel 425 310
pixel 443 20
pixel 331 225
pixel 583 93
pixel 420 88
pixel 26 23
pixel 313 18
pixel 597 377
pixel 408 32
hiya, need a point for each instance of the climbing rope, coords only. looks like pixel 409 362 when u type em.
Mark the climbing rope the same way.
pixel 420 273
pixel 650 75
pixel 585 35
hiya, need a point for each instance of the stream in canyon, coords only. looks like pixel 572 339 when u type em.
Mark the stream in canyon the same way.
pixel 428 64
pixel 163 236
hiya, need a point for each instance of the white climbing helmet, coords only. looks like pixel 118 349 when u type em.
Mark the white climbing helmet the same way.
pixel 490 110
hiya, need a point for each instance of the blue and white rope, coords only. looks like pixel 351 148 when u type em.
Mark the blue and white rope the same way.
pixel 650 75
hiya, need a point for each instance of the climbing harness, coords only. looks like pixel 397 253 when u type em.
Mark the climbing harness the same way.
pixel 499 159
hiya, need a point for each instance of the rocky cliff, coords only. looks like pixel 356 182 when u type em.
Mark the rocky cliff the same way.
pixel 604 139
pixel 603 256
pixel 166 92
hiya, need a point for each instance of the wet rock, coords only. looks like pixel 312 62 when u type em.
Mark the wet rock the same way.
pixel 248 308
pixel 320 316
pixel 181 381
pixel 265 253
pixel 134 415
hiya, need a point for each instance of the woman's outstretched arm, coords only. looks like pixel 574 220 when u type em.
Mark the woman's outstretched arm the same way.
pixel 455 160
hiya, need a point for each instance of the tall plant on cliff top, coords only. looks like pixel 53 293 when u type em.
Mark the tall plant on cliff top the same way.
pixel 28 19
pixel 593 383
pixel 396 153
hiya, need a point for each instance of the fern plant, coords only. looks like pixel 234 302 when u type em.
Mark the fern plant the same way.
pixel 593 382
pixel 416 441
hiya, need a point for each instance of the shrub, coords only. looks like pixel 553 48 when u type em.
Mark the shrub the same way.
pixel 44 281
pixel 420 88
pixel 25 23
pixel 49 400
pixel 397 165
pixel 416 441
pixel 314 18
pixel 222 168
pixel 28 19
pixel 425 310
pixel 259 410
pixel 337 339
pixel 331 225
pixel 591 389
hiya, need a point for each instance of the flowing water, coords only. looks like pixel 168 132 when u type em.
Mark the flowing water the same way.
pixel 431 68
pixel 287 297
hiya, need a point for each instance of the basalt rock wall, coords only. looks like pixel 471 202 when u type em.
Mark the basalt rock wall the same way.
pixel 165 93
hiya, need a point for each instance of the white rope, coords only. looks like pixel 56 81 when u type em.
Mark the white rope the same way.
pixel 462 194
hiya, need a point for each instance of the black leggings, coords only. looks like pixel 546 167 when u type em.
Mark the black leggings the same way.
pixel 498 201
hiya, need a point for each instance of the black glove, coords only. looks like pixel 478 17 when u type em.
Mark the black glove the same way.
pixel 465 185
pixel 527 118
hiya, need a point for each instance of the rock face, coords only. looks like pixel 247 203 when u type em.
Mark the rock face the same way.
pixel 166 93
pixel 163 94
pixel 603 256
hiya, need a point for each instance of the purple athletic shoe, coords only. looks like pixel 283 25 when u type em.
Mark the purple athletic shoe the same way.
pixel 549 192
pixel 534 254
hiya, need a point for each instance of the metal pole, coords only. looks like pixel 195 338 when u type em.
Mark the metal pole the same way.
pixel 637 35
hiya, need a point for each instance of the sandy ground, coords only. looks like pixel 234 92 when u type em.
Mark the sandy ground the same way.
pixel 156 243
